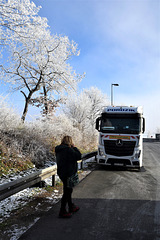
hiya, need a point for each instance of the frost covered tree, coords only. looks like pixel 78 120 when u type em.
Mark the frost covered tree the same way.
pixel 98 101
pixel 83 110
pixel 158 130
pixel 42 68
pixel 9 119
pixel 76 109
pixel 37 61
pixel 18 20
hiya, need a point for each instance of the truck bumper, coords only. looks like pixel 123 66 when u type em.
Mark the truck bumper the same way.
pixel 113 161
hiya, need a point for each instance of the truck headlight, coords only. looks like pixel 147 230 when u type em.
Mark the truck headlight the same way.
pixel 137 153
pixel 101 152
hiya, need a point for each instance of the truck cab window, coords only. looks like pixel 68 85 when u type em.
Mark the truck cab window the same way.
pixel 121 125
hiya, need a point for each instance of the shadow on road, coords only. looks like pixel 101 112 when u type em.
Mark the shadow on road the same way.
pixel 99 219
pixel 118 168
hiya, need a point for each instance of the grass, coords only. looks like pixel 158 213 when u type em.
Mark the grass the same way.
pixel 13 165
pixel 12 162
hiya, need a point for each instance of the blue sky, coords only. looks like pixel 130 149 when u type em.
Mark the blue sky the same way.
pixel 119 42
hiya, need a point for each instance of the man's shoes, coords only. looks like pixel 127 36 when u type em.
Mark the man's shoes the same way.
pixel 65 214
pixel 74 209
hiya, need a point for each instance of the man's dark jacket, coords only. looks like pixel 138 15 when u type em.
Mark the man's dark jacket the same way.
pixel 66 158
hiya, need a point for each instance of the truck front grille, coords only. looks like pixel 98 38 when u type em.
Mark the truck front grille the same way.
pixel 112 148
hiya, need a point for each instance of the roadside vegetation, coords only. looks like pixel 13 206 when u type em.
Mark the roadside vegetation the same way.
pixel 24 145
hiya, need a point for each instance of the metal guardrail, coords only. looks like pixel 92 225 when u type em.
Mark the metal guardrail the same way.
pixel 17 185
pixel 89 155
pixel 86 156
pixel 8 189
pixel 151 140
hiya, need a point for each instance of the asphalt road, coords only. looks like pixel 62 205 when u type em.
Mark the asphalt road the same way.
pixel 116 204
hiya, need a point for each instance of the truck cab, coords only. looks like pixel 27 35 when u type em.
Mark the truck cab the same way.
pixel 120 136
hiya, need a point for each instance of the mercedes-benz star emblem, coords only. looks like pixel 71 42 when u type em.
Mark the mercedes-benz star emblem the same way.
pixel 119 142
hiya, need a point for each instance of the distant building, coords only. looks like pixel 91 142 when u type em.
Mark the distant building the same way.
pixel 158 136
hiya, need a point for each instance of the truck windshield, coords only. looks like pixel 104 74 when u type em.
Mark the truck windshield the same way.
pixel 120 125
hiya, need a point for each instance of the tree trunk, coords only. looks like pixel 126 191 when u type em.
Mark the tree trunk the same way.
pixel 45 101
pixel 27 100
pixel 29 97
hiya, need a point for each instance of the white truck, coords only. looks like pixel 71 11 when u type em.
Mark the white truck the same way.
pixel 120 136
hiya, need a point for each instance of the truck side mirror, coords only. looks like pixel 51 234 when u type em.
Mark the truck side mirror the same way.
pixel 143 130
pixel 97 123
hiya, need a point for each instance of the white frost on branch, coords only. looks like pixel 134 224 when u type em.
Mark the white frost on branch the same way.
pixel 9 119
pixel 18 18
pixel 38 62
pixel 83 109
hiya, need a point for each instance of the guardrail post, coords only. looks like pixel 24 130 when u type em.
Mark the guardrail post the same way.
pixel 81 165
pixel 53 180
